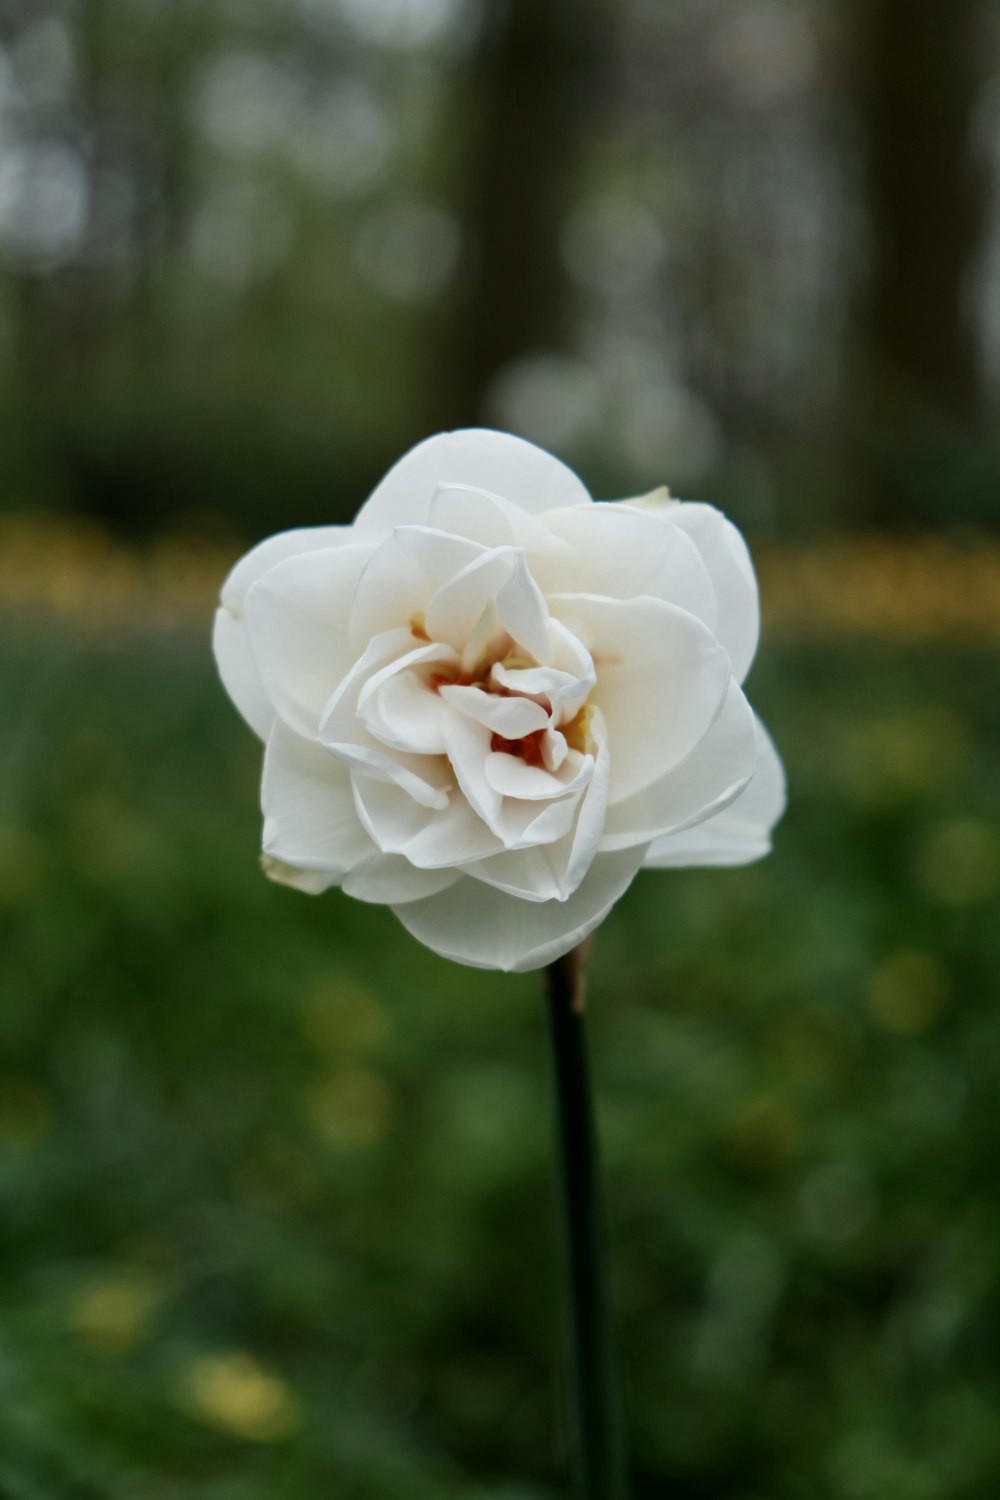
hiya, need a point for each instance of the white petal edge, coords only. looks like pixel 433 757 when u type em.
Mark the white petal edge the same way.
pixel 662 678
pixel 233 656
pixel 727 558
pixel 297 619
pixel 390 880
pixel 713 775
pixel 238 671
pixel 475 924
pixel 622 552
pixel 517 470
pixel 310 821
pixel 738 835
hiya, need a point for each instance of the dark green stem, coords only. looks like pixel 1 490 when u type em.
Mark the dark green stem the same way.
pixel 598 1440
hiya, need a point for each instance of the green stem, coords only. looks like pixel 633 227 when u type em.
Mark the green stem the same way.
pixel 598 1439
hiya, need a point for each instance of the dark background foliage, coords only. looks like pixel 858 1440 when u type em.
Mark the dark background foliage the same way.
pixel 275 1184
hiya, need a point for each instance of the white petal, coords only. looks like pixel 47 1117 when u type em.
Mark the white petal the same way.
pixel 564 692
pixel 494 522
pixel 404 571
pixel 237 667
pixel 468 746
pixel 727 558
pixel 554 749
pixel 593 808
pixel 552 870
pixel 523 474
pixel 523 612
pixel 456 609
pixel 512 777
pixel 297 615
pixel 661 680
pixel 624 552
pixel 532 874
pixel 238 671
pixel 496 585
pixel 383 765
pixel 371 692
pixel 390 652
pixel 741 833
pixel 409 715
pixel 475 924
pixel 430 838
pixel 715 773
pixel 527 824
pixel 273 550
pixel 511 717
pixel 310 821
pixel 342 731
pixel 390 880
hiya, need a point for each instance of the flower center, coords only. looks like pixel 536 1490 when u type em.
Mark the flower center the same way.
pixel 528 748
pixel 492 646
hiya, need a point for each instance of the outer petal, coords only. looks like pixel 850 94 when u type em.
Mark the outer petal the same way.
pixel 533 874
pixel 517 470
pixel 661 680
pixel 476 924
pixel 310 821
pixel 622 552
pixel 741 833
pixel 727 558
pixel 297 617
pixel 238 670
pixel 713 775
pixel 273 550
pixel 234 658
pixel 390 880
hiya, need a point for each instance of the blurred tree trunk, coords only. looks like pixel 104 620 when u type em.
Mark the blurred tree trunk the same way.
pixel 916 387
pixel 532 95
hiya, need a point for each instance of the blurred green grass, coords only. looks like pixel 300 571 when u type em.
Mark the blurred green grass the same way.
pixel 275 1183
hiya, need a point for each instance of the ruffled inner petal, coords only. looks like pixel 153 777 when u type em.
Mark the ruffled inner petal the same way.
pixel 513 777
pixel 512 717
pixel 406 714
pixel 455 835
pixel 402 573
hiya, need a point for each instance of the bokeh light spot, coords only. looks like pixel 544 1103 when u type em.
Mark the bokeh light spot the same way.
pixel 236 1394
pixel 908 992
pixel 958 863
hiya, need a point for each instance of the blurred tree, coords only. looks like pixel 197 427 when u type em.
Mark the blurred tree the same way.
pixel 916 396
pixel 537 81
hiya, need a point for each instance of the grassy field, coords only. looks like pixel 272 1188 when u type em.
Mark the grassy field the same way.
pixel 275 1186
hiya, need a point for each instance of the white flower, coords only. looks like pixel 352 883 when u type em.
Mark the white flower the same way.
pixel 491 700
